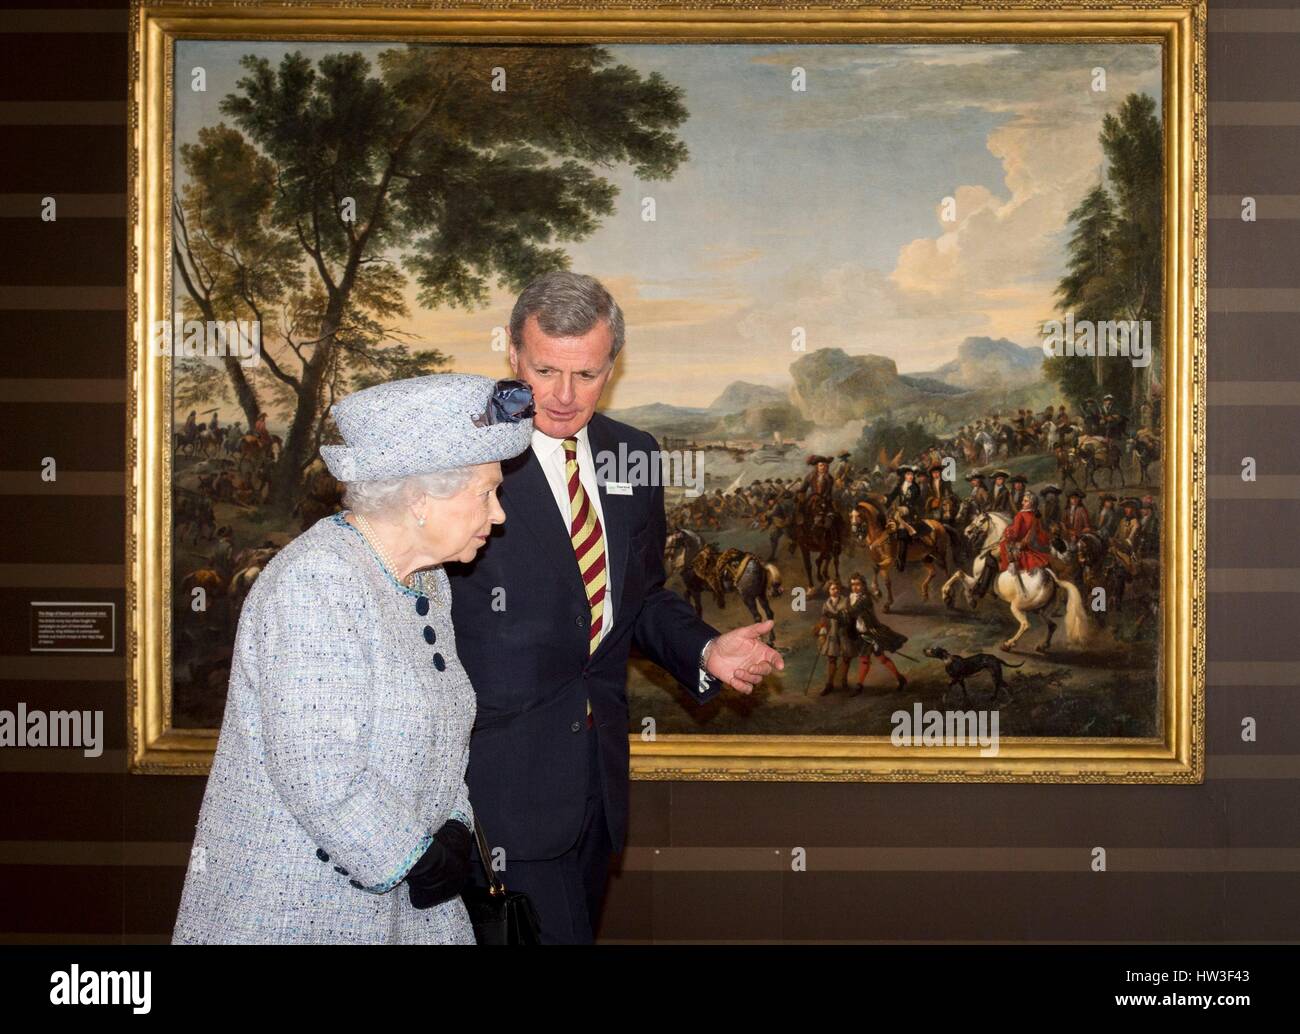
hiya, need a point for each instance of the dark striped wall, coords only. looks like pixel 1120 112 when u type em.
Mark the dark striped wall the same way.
pixel 89 853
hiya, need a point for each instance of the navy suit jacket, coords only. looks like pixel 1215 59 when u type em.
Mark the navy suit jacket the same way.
pixel 521 618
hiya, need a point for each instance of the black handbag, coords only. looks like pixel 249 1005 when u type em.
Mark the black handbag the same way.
pixel 499 916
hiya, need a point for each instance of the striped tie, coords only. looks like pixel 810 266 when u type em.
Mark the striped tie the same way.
pixel 588 541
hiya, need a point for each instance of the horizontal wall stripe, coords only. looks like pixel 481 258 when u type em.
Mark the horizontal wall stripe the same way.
pixel 1267 486
pixel 1222 206
pixel 93 852
pixel 1253 393
pixel 741 941
pixel 113 206
pixel 776 860
pixel 67 482
pixel 1255 113
pixel 72 761
pixel 1244 766
pixel 1253 299
pixel 1250 20
pixel 1251 579
pixel 60 576
pixel 63 759
pixel 63 113
pixel 76 20
pixel 45 667
pixel 80 390
pixel 74 299
pixel 1253 673
pixel 1259 19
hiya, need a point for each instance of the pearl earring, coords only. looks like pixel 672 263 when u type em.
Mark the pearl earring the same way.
pixel 420 521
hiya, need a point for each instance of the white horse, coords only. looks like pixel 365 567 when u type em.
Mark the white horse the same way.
pixel 985 441
pixel 1025 592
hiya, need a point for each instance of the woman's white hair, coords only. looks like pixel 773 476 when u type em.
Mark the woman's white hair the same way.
pixel 386 497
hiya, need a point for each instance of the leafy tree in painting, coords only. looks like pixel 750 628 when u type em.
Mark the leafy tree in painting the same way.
pixel 1115 255
pixel 339 184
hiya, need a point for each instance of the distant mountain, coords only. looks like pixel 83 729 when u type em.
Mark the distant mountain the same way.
pixel 660 418
pixel 984 362
pixel 829 388
pixel 739 396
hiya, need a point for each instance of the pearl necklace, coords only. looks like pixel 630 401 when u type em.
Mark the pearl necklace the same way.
pixel 368 533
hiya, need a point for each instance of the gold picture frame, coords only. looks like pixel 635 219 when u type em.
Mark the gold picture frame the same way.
pixel 1177 756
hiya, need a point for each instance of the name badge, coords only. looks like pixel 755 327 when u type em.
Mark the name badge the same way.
pixel 618 487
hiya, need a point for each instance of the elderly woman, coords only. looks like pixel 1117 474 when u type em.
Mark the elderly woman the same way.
pixel 336 810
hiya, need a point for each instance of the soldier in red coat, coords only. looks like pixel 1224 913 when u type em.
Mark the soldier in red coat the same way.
pixel 1025 542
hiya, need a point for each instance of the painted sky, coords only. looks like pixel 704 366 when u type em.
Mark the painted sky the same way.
pixel 819 209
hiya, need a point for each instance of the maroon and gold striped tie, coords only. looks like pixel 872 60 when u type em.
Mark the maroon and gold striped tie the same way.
pixel 588 542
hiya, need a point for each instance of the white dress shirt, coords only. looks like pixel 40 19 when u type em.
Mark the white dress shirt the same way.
pixel 550 454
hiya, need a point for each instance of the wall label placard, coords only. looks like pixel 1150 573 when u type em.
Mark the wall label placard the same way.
pixel 64 626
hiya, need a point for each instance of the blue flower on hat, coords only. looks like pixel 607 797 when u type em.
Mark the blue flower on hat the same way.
pixel 510 402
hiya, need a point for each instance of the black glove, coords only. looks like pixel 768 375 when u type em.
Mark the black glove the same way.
pixel 443 869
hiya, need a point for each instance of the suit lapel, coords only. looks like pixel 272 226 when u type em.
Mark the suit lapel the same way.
pixel 526 498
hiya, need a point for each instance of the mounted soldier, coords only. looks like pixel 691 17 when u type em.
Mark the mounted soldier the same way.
pixel 1000 495
pixel 1111 421
pixel 845 472
pixel 1025 544
pixel 1077 520
pixel 1091 417
pixel 1051 516
pixel 937 490
pixel 1018 485
pixel 1125 538
pixel 905 498
pixel 1108 518
pixel 1148 544
pixel 979 493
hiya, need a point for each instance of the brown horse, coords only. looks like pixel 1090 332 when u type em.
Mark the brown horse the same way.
pixel 930 546
pixel 827 541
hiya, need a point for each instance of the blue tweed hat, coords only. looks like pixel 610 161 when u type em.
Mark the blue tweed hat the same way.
pixel 426 424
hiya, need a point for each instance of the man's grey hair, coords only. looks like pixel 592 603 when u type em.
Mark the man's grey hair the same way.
pixel 566 305
pixel 384 498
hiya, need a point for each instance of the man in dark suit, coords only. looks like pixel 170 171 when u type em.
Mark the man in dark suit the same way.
pixel 547 612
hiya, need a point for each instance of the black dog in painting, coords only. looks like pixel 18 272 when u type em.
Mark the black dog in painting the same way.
pixel 960 668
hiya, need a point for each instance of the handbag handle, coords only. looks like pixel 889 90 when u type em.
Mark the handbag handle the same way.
pixel 495 886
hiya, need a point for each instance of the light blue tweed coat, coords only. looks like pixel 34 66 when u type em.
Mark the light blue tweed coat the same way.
pixel 343 748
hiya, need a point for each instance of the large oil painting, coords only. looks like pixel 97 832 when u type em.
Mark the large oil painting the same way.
pixel 914 320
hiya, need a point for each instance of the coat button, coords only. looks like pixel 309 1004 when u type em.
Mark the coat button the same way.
pixel 341 870
pixel 422 606
pixel 578 621
pixel 575 727
pixel 320 853
pixel 429 635
pixel 354 883
pixel 438 662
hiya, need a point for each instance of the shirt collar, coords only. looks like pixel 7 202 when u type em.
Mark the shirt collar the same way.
pixel 544 446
